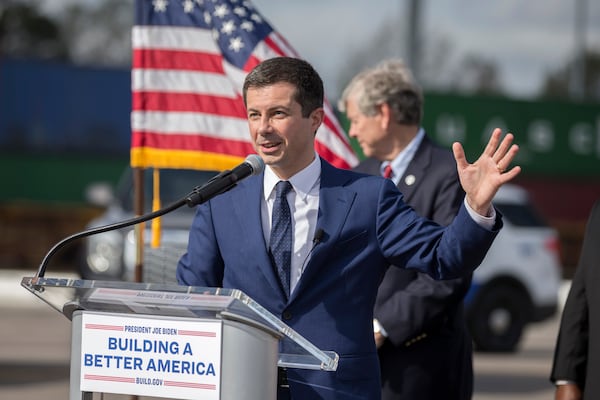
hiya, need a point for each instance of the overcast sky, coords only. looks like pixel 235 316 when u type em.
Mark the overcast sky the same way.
pixel 524 38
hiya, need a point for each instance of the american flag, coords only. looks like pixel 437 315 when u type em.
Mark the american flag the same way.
pixel 190 58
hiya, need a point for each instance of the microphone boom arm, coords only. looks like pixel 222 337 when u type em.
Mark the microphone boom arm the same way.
pixel 132 221
pixel 220 183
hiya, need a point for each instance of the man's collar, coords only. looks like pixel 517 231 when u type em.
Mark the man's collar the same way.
pixel 302 182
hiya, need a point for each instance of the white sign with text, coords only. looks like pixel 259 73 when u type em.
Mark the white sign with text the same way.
pixel 172 358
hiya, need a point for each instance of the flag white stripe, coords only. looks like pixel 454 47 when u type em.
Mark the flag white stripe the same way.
pixel 177 81
pixel 263 51
pixel 174 38
pixel 335 145
pixel 188 123
pixel 287 50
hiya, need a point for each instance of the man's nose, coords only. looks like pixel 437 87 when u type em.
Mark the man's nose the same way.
pixel 264 125
pixel 352 132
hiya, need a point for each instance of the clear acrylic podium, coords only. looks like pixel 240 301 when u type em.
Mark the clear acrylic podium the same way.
pixel 174 341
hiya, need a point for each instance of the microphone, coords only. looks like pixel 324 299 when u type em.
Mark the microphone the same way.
pixel 224 181
pixel 319 235
pixel 253 165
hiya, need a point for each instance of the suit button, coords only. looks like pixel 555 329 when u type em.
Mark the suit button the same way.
pixel 287 315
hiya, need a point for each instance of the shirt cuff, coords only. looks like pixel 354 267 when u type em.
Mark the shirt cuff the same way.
pixel 377 328
pixel 562 382
pixel 483 221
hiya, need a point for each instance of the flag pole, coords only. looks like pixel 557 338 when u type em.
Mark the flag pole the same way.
pixel 138 207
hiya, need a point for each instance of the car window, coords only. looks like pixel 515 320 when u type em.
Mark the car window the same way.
pixel 521 214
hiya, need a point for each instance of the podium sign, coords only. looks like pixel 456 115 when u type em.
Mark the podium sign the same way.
pixel 172 358
pixel 174 341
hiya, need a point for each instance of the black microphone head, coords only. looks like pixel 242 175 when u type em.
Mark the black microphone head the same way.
pixel 318 236
pixel 256 163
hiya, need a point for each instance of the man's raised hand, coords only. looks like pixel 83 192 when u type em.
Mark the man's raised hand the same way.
pixel 482 179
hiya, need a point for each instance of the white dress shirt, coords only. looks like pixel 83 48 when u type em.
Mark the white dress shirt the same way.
pixel 304 206
pixel 400 163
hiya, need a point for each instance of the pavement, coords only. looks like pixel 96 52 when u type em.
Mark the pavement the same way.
pixel 35 344
pixel 35 352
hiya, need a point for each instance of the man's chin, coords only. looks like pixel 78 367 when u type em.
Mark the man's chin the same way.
pixel 270 159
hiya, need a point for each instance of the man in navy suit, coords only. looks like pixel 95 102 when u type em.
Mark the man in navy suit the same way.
pixel 424 347
pixel 365 226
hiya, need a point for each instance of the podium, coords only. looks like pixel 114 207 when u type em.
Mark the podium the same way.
pixel 171 341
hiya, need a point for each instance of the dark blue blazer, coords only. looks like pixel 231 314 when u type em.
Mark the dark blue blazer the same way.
pixel 428 353
pixel 367 226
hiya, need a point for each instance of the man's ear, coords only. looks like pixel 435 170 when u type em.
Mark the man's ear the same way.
pixel 386 115
pixel 317 116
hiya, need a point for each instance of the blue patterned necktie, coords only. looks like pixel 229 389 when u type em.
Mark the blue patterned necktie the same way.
pixel 281 235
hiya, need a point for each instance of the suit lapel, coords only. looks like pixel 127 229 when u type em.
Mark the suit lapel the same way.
pixel 415 171
pixel 249 198
pixel 335 201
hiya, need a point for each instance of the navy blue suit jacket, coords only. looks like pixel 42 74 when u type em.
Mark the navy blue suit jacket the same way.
pixel 428 352
pixel 367 226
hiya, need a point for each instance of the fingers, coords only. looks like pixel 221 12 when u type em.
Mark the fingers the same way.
pixel 492 144
pixel 459 155
pixel 505 157
pixel 503 148
pixel 501 151
pixel 510 174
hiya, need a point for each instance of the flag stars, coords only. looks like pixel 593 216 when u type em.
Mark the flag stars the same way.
pixel 256 18
pixel 160 5
pixel 236 44
pixel 247 26
pixel 240 12
pixel 221 11
pixel 188 6
pixel 228 27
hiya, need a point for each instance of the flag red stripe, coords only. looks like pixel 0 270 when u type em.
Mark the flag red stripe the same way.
pixel 334 131
pixel 251 63
pixel 190 143
pixel 274 46
pixel 161 101
pixel 327 154
pixel 178 60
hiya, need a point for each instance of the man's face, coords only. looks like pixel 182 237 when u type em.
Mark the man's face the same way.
pixel 369 131
pixel 280 135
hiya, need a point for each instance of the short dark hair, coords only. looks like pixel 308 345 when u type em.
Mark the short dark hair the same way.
pixel 299 73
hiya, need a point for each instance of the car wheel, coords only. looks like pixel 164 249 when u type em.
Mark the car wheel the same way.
pixel 498 317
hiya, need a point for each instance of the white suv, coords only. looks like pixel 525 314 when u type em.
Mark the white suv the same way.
pixel 518 281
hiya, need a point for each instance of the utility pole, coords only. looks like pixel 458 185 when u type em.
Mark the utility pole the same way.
pixel 413 36
pixel 577 76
